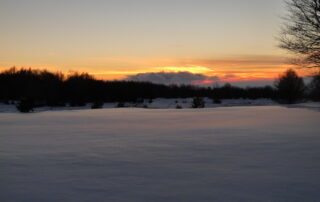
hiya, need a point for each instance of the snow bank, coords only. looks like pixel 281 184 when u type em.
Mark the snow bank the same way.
pixel 266 153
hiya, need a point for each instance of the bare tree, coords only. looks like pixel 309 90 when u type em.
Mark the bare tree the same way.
pixel 301 32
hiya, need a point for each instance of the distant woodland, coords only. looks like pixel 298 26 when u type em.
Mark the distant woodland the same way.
pixel 44 88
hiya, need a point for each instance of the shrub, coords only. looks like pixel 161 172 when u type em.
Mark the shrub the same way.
pixel 217 101
pixel 120 105
pixel 97 105
pixel 25 105
pixel 178 107
pixel 198 102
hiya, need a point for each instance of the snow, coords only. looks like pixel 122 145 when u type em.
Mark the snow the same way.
pixel 257 153
pixel 158 103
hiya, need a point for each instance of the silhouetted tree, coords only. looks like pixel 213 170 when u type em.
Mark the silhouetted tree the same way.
pixel 315 87
pixel 42 86
pixel 290 87
pixel 79 89
pixel 301 32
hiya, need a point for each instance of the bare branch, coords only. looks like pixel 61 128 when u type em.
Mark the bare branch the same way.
pixel 301 32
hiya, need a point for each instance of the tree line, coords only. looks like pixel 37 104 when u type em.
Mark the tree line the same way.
pixel 30 87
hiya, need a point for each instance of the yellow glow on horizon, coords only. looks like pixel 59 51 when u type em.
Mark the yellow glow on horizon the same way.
pixel 191 69
pixel 122 74
pixel 230 69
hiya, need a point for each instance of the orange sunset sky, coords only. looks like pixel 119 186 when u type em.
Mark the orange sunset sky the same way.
pixel 234 40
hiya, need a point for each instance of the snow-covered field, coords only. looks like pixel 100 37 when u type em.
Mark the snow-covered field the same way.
pixel 262 153
pixel 159 103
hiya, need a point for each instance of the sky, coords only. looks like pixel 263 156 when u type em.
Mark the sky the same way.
pixel 230 40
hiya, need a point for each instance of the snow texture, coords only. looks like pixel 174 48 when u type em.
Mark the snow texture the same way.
pixel 267 153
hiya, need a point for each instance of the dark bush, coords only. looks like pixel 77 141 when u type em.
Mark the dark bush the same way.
pixel 97 105
pixel 178 107
pixel 217 101
pixel 25 105
pixel 198 102
pixel 145 106
pixel 120 105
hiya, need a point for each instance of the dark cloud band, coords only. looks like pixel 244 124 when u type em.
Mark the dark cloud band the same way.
pixel 173 78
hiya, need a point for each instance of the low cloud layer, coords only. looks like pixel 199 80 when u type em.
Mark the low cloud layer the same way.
pixel 174 78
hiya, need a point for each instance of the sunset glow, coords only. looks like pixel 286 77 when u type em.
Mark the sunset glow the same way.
pixel 115 39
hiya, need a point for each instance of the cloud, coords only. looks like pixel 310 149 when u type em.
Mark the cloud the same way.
pixel 174 78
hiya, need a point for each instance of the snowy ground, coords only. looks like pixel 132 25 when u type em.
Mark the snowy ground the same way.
pixel 159 103
pixel 267 153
